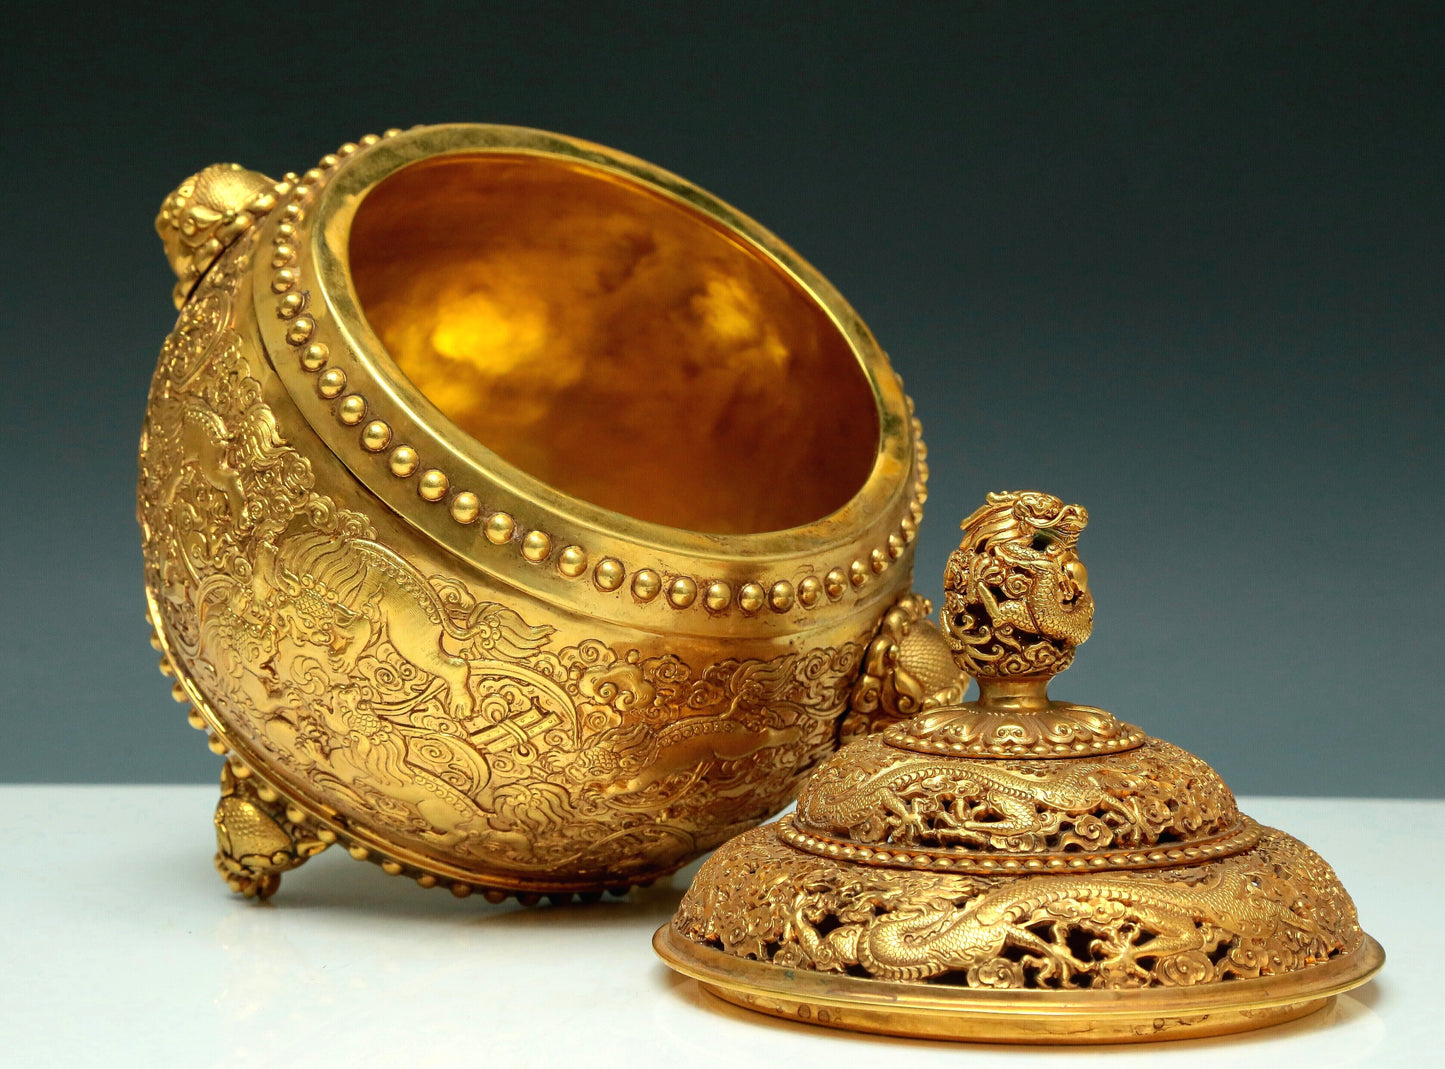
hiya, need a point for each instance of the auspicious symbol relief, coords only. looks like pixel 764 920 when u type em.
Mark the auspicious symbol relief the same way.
pixel 1016 599
pixel 1153 795
pixel 1274 909
pixel 402 699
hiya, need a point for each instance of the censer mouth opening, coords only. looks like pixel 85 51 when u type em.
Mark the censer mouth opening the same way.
pixel 614 343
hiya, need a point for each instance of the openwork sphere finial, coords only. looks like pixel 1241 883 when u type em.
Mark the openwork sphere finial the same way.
pixel 1016 597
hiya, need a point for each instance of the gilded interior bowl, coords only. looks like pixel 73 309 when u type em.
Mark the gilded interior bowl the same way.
pixel 517 514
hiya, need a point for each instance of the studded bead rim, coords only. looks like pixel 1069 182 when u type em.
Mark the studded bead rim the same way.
pixel 710 595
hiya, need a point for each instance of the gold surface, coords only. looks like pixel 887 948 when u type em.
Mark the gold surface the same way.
pixel 1019 869
pixel 613 343
pixel 410 646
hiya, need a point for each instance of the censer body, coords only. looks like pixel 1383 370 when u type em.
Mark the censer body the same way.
pixel 516 514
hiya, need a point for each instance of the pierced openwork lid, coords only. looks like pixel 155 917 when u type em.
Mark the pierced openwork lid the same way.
pixel 1018 868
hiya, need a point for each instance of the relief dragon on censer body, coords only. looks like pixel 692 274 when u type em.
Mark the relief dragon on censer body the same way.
pixel 405 701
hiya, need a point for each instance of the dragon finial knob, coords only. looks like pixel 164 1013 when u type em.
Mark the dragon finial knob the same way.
pixel 205 214
pixel 1016 597
pixel 1016 605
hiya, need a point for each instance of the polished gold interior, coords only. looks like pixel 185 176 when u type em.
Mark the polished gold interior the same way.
pixel 613 343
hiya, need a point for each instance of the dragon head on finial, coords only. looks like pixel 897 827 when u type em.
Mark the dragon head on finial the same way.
pixel 206 213
pixel 1016 596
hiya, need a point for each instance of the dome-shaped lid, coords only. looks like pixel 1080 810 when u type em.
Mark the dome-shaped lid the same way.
pixel 1019 868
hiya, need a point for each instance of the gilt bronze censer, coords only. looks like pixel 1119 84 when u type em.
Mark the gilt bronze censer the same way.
pixel 517 515
pixel 1019 869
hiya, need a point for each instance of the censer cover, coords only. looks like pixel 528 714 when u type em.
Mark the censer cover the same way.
pixel 1016 868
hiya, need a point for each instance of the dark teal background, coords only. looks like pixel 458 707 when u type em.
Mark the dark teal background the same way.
pixel 1179 262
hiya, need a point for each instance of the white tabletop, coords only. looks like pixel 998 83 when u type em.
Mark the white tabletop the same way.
pixel 120 945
